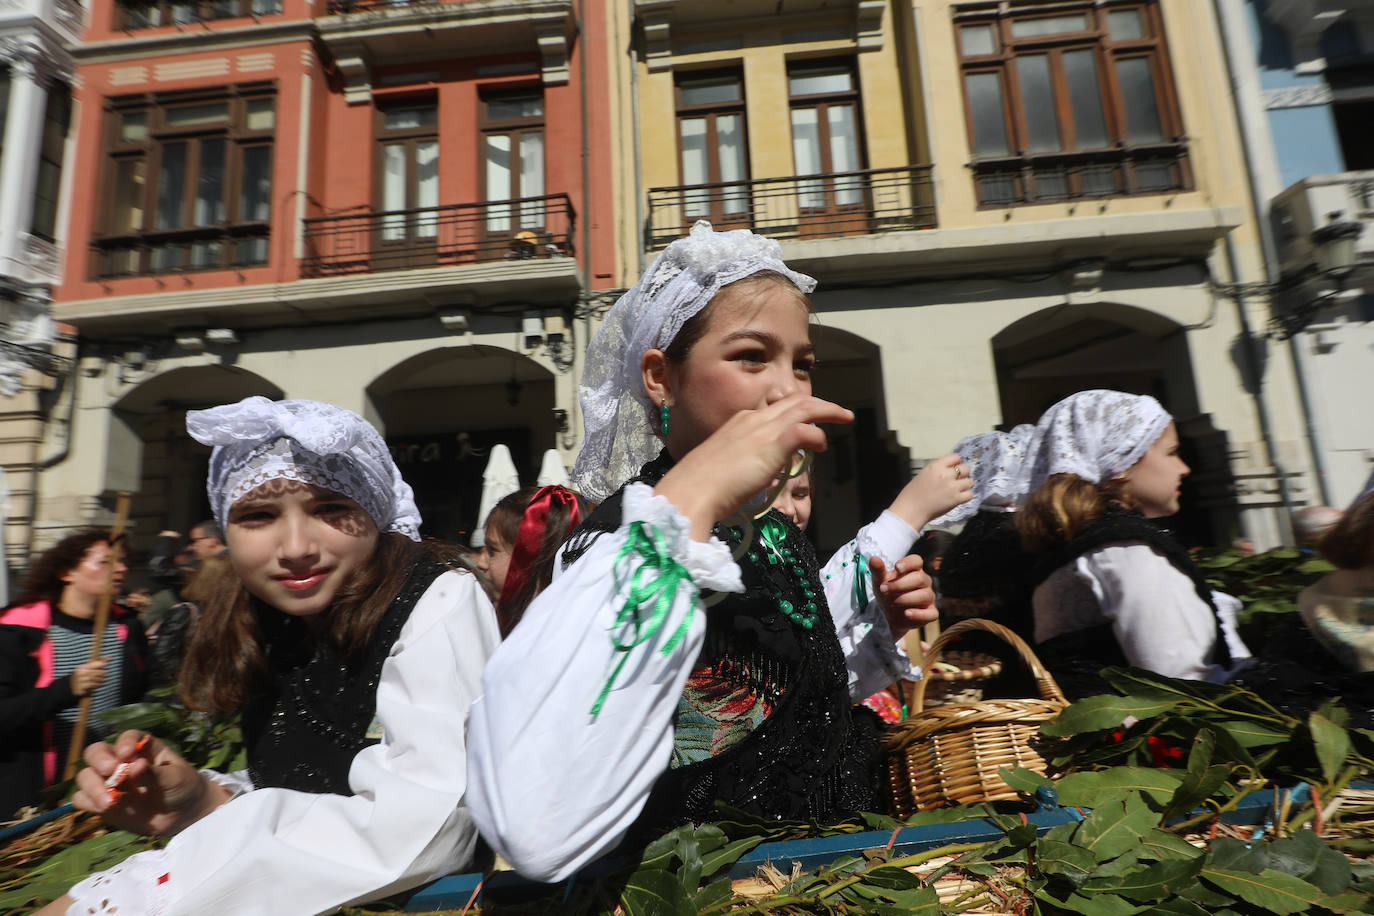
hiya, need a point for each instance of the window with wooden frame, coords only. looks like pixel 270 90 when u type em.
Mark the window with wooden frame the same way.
pixel 189 181
pixel 1069 99
pixel 826 136
pixel 56 120
pixel 512 156
pixel 148 14
pixel 712 146
pixel 407 186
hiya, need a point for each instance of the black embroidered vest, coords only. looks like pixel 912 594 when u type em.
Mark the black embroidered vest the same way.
pixel 1075 659
pixel 812 757
pixel 319 714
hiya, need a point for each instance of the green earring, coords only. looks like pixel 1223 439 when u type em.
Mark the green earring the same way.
pixel 663 423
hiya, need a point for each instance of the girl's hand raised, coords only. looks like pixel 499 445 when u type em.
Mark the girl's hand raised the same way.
pixel 158 792
pixel 743 456
pixel 942 484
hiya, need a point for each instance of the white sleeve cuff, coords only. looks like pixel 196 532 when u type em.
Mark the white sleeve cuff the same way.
pixel 238 782
pixel 710 564
pixel 888 536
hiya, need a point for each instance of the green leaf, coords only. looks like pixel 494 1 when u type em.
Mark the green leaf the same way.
pixel 1168 847
pixel 1096 905
pixel 892 878
pixel 1236 855
pixel 653 892
pixel 1274 890
pixel 1176 906
pixel 1116 826
pixel 1305 856
pixel 714 894
pixel 1023 780
pixel 1249 733
pixel 1103 712
pixel 1152 883
pixel 1332 742
pixel 1348 902
pixel 1094 789
pixel 719 859
pixel 1066 859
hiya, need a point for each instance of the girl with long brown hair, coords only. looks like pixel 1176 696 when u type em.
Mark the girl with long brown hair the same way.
pixel 351 655
pixel 1112 588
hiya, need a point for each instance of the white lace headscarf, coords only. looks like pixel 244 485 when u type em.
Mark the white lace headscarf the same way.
pixel 257 440
pixel 998 464
pixel 1097 434
pixel 620 422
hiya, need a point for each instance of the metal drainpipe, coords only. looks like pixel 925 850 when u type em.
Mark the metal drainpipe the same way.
pixel 639 234
pixel 1261 407
pixel 1271 261
pixel 57 458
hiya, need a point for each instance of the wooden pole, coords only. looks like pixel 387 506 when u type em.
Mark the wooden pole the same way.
pixel 102 617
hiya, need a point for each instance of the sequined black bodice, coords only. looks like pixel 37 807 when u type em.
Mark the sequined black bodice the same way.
pixel 320 712
pixel 810 757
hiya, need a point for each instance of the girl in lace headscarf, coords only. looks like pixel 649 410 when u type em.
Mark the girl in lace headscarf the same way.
pixel 350 653
pixel 680 656
pixel 1112 588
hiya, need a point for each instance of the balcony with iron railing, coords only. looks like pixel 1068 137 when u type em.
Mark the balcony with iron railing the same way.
pixel 800 207
pixel 1044 178
pixel 530 228
pixel 149 14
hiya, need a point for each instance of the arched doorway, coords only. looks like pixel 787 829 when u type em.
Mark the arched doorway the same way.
pixel 442 410
pixel 148 432
pixel 1055 352
pixel 864 466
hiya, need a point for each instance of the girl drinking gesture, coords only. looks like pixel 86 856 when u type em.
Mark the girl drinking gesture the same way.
pixel 351 655
pixel 680 657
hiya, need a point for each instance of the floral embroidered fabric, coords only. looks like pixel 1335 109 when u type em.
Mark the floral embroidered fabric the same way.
pixel 257 440
pixel 619 420
pixel 1097 434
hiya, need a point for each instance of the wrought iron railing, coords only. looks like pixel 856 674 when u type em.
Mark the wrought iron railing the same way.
pixel 800 206
pixel 1043 178
pixel 147 14
pixel 339 7
pixel 531 227
pixel 161 251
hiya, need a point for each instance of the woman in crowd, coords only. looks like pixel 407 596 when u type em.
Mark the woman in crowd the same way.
pixel 1339 608
pixel 1112 587
pixel 683 656
pixel 46 666
pixel 350 653
pixel 520 546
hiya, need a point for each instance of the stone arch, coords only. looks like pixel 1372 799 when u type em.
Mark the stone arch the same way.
pixel 149 452
pixel 1052 353
pixel 441 410
pixel 864 466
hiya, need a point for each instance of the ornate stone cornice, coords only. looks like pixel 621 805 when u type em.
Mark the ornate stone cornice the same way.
pixel 31 57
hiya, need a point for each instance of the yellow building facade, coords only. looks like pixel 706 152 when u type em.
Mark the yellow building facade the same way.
pixel 1004 202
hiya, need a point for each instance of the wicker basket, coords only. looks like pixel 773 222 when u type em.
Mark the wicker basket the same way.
pixel 950 755
pixel 964 685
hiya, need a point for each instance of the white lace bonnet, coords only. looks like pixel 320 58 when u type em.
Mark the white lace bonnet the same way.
pixel 619 420
pixel 1097 434
pixel 257 440
pixel 998 464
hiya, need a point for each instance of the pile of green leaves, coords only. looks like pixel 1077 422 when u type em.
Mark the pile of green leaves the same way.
pixel 40 867
pixel 1267 584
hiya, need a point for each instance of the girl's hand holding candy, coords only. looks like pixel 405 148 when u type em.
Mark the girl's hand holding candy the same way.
pixel 139 784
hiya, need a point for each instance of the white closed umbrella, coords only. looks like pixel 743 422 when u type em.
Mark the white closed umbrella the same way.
pixel 499 480
pixel 552 471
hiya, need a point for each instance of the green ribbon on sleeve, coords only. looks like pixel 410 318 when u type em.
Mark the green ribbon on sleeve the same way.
pixel 650 578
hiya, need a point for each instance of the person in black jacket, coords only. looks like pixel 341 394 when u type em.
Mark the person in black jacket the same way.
pixel 45 665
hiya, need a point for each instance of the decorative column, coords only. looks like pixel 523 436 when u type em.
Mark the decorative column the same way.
pixel 19 168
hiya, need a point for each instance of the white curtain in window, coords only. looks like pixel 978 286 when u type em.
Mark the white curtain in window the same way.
pixel 498 181
pixel 427 188
pixel 730 139
pixel 806 153
pixel 844 153
pixel 532 177
pixel 393 190
pixel 694 164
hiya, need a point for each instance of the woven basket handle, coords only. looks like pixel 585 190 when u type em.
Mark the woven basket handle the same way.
pixel 1049 690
